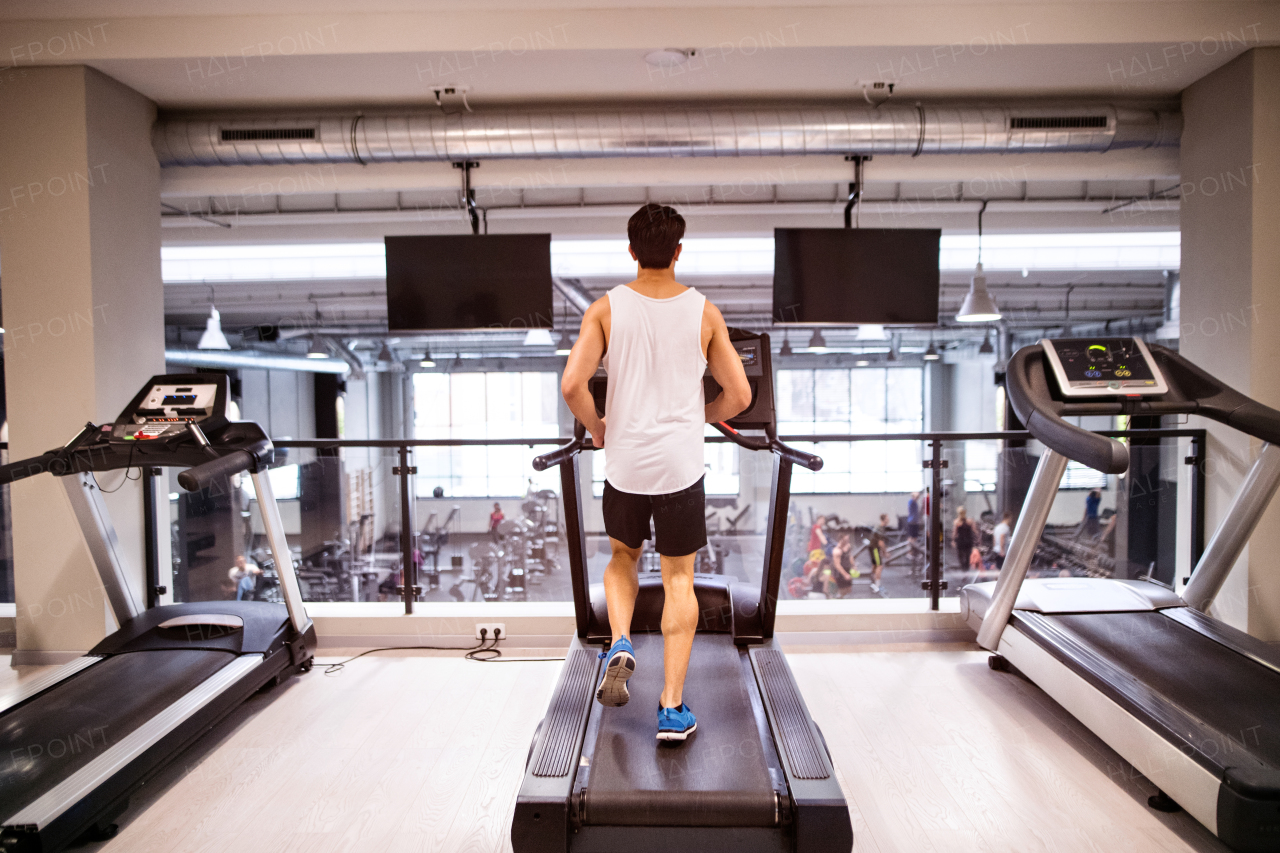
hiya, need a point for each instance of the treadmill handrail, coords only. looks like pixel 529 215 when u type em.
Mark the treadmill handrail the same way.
pixel 1192 391
pixel 1027 384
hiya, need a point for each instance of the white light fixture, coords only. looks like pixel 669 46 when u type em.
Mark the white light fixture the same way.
pixel 817 343
pixel 786 345
pixel 986 348
pixel 213 337
pixel 538 338
pixel 931 354
pixel 978 306
pixel 427 361
pixel 385 355
pixel 872 332
pixel 317 349
pixel 862 362
pixel 565 345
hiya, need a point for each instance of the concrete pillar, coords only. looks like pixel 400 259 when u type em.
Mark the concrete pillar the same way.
pixel 84 314
pixel 1231 292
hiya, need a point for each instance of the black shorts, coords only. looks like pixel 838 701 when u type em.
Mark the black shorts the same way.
pixel 679 519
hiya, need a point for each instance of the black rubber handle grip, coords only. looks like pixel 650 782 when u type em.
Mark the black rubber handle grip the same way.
pixel 560 455
pixel 54 462
pixel 799 457
pixel 1027 383
pixel 197 478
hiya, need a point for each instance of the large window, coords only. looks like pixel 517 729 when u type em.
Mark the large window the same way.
pixel 858 400
pixel 483 405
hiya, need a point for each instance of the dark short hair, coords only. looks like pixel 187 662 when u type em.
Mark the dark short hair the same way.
pixel 655 231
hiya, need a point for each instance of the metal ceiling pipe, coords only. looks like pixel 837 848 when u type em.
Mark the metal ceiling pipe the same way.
pixel 673 132
pixel 574 293
pixel 254 359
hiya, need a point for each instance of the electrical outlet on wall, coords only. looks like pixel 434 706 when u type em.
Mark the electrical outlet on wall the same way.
pixel 492 630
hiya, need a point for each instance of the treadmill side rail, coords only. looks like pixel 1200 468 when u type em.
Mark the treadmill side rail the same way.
pixel 1185 780
pixel 28 689
pixel 542 820
pixel 71 790
pixel 821 815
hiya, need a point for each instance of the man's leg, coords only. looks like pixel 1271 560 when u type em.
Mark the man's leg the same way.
pixel 679 622
pixel 621 587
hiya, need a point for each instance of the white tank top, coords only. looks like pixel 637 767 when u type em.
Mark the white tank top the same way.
pixel 654 410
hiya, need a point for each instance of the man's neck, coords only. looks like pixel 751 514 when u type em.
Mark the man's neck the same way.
pixel 657 284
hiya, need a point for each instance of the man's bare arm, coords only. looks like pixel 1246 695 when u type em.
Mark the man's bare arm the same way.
pixel 584 358
pixel 726 368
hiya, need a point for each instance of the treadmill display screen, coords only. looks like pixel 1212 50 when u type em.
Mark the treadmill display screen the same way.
pixel 179 400
pixel 1104 366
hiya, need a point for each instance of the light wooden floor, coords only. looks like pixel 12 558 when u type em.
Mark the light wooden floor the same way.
pixel 424 753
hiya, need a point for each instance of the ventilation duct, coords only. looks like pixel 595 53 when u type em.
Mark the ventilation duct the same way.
pixel 676 132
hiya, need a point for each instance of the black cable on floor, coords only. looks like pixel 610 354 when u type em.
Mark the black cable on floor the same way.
pixel 333 668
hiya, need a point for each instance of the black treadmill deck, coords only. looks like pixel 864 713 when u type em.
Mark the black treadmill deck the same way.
pixel 1215 703
pixel 56 733
pixel 725 774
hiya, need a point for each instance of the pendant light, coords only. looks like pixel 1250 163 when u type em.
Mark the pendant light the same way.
pixel 317 348
pixel 931 354
pixel 986 348
pixel 213 337
pixel 565 345
pixel 538 338
pixel 817 343
pixel 978 306
pixel 427 360
pixel 786 345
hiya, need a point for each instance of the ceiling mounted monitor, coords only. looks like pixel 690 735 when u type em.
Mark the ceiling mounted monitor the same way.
pixel 460 282
pixel 832 276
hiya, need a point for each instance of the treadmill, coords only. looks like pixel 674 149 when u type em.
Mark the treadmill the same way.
pixel 1192 703
pixel 757 775
pixel 79 740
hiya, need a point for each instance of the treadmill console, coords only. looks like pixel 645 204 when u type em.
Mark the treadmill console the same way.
pixel 164 408
pixel 1104 367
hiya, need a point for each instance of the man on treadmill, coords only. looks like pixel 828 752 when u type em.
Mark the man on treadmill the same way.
pixel 656 337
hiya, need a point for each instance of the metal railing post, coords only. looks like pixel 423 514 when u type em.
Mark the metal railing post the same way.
pixel 409 573
pixel 935 584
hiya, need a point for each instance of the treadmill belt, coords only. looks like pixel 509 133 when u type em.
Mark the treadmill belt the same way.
pixel 718 777
pixel 61 730
pixel 1219 702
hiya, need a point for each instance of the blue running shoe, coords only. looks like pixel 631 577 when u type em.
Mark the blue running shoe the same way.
pixel 676 723
pixel 612 692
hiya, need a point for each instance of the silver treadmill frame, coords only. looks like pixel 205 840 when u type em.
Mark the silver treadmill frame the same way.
pixel 1183 779
pixel 100 535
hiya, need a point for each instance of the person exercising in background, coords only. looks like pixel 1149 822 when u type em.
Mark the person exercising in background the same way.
pixel 244 574
pixel 655 337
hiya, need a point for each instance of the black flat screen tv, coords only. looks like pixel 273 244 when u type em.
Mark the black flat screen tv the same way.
pixel 465 281
pixel 855 275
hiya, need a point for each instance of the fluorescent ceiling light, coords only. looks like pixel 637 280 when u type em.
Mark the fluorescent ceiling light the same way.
pixel 1094 250
pixel 213 337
